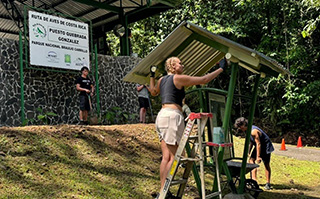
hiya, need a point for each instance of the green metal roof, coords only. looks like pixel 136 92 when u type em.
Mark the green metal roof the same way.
pixel 104 14
pixel 200 50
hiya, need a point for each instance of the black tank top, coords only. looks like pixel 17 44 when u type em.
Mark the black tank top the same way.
pixel 169 93
pixel 266 144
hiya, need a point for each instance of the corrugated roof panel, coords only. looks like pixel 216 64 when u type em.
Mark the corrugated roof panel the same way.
pixel 34 3
pixel 133 4
pixel 76 8
pixel 201 54
pixel 238 47
pixel 197 56
pixel 3 11
pixel 88 12
pixel 7 24
pixel 97 13
pixel 140 73
pixel 106 21
pixel 51 2
pixel 194 51
pixel 9 36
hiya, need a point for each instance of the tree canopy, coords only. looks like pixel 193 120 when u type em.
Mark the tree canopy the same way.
pixel 286 30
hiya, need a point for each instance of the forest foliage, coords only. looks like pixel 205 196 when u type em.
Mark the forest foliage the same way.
pixel 285 30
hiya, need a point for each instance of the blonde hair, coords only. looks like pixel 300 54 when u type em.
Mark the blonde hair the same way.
pixel 169 64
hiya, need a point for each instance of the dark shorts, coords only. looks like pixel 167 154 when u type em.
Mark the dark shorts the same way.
pixel 265 157
pixel 143 102
pixel 84 103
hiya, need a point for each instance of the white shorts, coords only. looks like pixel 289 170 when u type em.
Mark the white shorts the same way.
pixel 170 125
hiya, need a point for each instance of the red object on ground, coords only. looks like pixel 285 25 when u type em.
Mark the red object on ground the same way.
pixel 299 142
pixel 283 145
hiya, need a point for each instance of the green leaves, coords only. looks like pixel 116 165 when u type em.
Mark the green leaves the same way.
pixel 51 114
pixel 116 115
pixel 42 117
pixel 287 31
pixel 310 27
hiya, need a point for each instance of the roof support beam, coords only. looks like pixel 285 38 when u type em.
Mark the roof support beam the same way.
pixel 5 17
pixel 81 14
pixel 168 4
pixel 53 5
pixel 8 32
pixel 46 6
pixel 110 1
pixel 140 9
pixel 103 17
pixel 14 13
pixel 100 5
pixel 135 3
pixel 91 10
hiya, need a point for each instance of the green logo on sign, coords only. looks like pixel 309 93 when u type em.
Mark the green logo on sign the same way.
pixel 39 30
pixel 67 58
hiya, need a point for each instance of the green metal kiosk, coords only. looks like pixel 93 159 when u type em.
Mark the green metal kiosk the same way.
pixel 200 50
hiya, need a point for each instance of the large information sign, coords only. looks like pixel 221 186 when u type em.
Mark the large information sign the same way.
pixel 58 42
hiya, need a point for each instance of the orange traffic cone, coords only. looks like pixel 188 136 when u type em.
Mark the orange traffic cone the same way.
pixel 299 142
pixel 283 145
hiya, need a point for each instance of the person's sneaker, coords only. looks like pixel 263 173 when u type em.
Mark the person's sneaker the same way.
pixel 86 123
pixel 168 196
pixel 81 123
pixel 171 196
pixel 155 195
pixel 267 186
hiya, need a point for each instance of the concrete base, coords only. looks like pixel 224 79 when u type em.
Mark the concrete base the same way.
pixel 238 196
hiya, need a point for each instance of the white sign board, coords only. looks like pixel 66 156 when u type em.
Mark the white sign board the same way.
pixel 58 42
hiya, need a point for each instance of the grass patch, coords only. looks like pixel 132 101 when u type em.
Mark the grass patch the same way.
pixel 120 161
pixel 75 162
pixel 290 178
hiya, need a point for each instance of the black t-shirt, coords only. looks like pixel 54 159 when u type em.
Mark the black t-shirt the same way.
pixel 84 83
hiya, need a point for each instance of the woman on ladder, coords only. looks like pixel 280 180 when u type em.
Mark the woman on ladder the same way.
pixel 170 120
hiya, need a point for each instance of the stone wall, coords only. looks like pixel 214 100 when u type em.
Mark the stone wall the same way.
pixel 9 83
pixel 55 92
pixel 113 91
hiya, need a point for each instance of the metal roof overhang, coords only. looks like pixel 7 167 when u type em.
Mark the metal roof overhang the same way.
pixel 104 14
pixel 200 50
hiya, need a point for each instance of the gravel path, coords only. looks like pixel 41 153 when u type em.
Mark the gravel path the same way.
pixel 309 154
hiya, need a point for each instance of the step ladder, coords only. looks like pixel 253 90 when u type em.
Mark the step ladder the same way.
pixel 216 146
pixel 196 155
